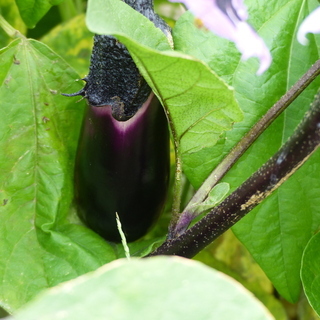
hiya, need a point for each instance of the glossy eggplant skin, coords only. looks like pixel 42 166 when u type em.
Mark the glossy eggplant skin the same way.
pixel 123 167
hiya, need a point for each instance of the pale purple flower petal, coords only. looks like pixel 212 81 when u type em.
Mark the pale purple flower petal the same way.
pixel 310 24
pixel 240 8
pixel 251 45
pixel 227 19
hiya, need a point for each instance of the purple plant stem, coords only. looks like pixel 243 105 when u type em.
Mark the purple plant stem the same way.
pixel 217 174
pixel 304 141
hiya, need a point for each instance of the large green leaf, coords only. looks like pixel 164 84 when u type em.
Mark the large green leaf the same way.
pixel 200 105
pixel 201 108
pixel 39 129
pixel 228 255
pixel 310 272
pixel 154 288
pixel 73 42
pixel 32 11
pixel 277 231
pixel 116 17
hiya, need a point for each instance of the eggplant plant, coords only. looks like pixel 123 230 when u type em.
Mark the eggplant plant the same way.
pixel 122 167
pixel 122 164
pixel 245 196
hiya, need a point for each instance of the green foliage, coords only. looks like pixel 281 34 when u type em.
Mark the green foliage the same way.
pixel 279 228
pixel 229 256
pixel 201 85
pixel 179 289
pixel 115 17
pixel 200 105
pixel 73 42
pixel 310 272
pixel 216 195
pixel 32 11
pixel 39 130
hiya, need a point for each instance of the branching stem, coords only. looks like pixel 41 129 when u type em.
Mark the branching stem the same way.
pixel 304 141
pixel 68 10
pixel 217 174
pixel 8 29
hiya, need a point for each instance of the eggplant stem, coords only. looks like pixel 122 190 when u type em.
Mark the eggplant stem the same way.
pixel 177 186
pixel 226 164
pixel 79 6
pixel 9 29
pixel 177 193
pixel 67 10
pixel 299 147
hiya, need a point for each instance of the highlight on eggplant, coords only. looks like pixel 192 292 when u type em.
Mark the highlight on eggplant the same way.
pixel 123 160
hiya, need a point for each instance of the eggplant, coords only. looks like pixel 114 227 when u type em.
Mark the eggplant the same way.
pixel 122 167
pixel 122 163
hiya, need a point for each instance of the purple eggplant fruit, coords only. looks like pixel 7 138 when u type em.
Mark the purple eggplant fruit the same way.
pixel 123 167
pixel 122 163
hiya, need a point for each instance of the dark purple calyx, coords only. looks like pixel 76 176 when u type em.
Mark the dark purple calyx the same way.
pixel 113 78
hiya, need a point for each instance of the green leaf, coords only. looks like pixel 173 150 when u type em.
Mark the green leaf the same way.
pixel 179 289
pixel 228 255
pixel 277 230
pixel 32 11
pixel 73 42
pixel 116 17
pixel 220 54
pixel 215 196
pixel 138 248
pixel 310 272
pixel 169 12
pixel 200 106
pixel 39 129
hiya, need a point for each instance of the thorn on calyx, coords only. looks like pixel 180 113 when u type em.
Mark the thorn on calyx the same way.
pixel 81 92
pixel 78 93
